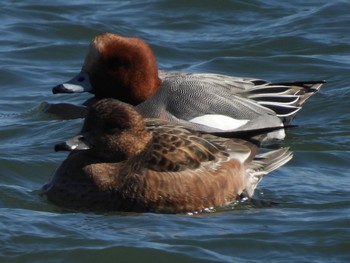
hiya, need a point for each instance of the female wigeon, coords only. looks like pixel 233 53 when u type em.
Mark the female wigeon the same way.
pixel 122 162
pixel 125 68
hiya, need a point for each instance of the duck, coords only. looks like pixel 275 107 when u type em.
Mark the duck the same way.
pixel 124 162
pixel 125 68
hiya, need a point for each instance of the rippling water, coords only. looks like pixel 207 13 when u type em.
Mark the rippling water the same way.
pixel 44 42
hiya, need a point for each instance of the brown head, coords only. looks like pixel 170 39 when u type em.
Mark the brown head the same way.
pixel 115 131
pixel 121 67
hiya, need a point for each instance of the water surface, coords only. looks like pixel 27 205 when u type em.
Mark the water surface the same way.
pixel 43 43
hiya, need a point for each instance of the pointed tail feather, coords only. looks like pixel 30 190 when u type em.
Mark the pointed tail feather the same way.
pixel 264 164
pixel 284 98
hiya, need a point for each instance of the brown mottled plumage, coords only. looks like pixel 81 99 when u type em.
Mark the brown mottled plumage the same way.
pixel 123 162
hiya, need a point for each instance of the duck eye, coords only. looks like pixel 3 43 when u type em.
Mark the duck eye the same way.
pixel 115 63
pixel 112 127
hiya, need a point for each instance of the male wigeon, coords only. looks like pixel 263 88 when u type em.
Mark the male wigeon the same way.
pixel 125 68
pixel 122 162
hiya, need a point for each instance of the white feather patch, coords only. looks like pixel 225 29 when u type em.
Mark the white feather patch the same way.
pixel 221 122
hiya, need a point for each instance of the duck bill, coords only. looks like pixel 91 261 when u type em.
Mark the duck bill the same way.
pixel 80 83
pixel 73 144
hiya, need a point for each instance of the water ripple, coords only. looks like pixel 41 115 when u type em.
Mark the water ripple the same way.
pixel 302 210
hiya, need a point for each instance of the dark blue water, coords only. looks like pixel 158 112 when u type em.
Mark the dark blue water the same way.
pixel 43 43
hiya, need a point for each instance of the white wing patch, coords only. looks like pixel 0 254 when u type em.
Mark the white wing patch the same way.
pixel 217 121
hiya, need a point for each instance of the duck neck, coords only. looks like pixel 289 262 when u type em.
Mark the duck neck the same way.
pixel 144 89
pixel 137 163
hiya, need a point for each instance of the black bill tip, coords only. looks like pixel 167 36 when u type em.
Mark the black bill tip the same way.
pixel 62 147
